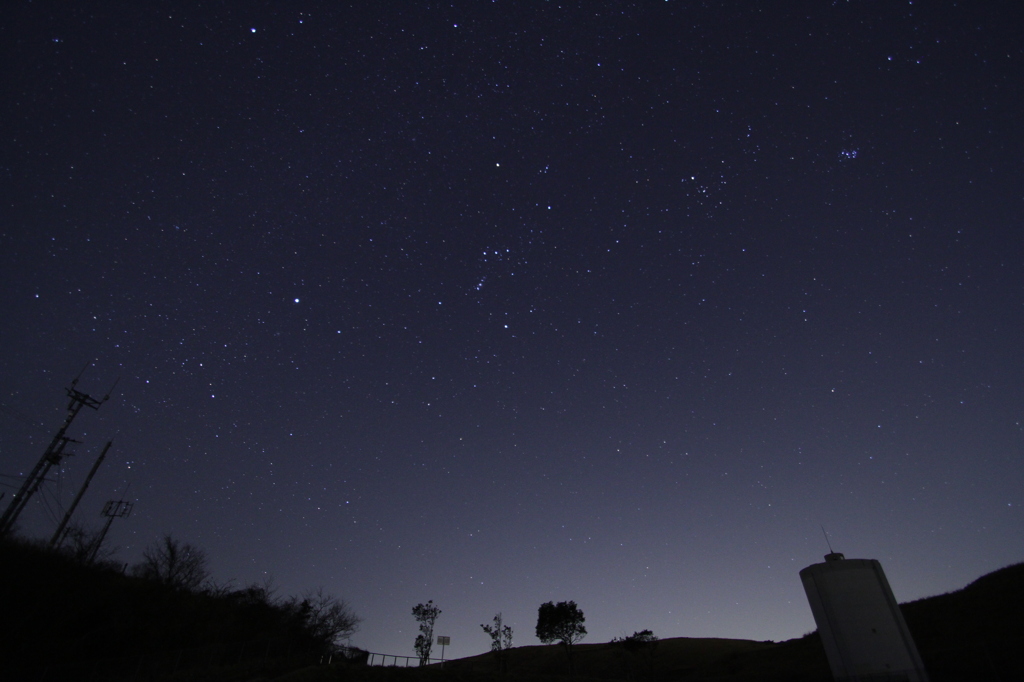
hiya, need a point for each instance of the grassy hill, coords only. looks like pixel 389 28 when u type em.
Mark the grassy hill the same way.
pixel 68 621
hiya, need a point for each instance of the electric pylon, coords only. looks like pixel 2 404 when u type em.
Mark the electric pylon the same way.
pixel 58 534
pixel 53 455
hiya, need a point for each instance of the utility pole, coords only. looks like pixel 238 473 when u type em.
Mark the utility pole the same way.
pixel 112 509
pixel 53 455
pixel 57 538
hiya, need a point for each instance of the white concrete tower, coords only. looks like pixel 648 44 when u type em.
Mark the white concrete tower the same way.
pixel 860 623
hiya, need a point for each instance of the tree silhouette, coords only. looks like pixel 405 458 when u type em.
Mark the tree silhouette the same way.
pixel 176 565
pixel 84 546
pixel 425 615
pixel 328 618
pixel 640 646
pixel 562 623
pixel 501 641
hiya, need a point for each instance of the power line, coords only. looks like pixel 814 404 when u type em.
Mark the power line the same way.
pixel 53 455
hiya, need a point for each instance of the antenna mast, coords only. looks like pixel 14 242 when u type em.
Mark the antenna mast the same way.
pixel 832 554
pixel 112 509
pixel 53 455
pixel 57 539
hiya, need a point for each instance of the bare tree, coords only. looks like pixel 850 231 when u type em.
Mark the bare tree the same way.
pixel 85 546
pixel 501 641
pixel 329 618
pixel 177 565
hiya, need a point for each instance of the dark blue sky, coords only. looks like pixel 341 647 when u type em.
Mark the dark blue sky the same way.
pixel 501 303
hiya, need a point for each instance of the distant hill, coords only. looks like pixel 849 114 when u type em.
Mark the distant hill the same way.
pixel 677 658
pixel 969 634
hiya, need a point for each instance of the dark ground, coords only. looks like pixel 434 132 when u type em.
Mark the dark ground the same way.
pixel 68 621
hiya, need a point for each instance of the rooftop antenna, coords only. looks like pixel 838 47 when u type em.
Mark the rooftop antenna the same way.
pixel 53 455
pixel 832 554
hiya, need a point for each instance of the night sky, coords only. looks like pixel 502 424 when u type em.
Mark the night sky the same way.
pixel 498 303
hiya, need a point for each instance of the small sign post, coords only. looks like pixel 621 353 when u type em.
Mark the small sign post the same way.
pixel 444 641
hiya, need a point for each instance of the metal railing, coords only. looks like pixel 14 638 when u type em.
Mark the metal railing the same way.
pixel 393 660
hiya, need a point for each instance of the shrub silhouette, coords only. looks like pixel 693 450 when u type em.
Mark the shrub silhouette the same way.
pixel 640 646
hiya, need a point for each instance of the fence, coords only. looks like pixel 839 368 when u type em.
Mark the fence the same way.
pixel 383 660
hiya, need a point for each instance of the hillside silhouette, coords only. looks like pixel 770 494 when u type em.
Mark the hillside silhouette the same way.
pixel 973 633
pixel 66 620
